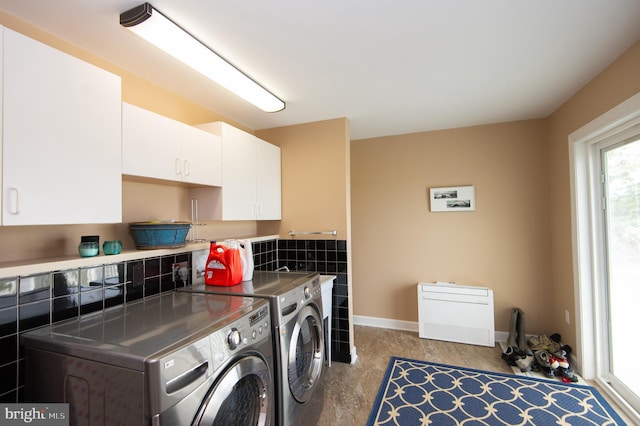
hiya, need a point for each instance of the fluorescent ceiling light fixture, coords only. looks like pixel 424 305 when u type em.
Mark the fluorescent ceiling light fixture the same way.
pixel 157 29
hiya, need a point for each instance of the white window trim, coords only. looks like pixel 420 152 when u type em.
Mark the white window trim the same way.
pixel 585 232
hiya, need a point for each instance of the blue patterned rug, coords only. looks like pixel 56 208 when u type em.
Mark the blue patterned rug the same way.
pixel 423 393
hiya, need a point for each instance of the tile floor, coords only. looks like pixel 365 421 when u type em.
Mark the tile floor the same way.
pixel 350 389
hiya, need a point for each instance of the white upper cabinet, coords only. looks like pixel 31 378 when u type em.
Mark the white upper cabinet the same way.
pixel 157 147
pixel 201 157
pixel 251 180
pixel 269 190
pixel 1 114
pixel 150 144
pixel 61 137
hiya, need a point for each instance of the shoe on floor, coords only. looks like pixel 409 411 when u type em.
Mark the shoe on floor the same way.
pixel 559 362
pixel 543 343
pixel 510 354
pixel 568 374
pixel 521 334
pixel 543 360
pixel 512 340
pixel 525 362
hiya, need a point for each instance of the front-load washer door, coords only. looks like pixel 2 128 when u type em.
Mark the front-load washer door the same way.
pixel 305 357
pixel 242 396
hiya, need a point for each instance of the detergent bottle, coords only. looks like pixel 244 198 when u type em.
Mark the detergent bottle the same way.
pixel 234 262
pixel 216 271
pixel 246 254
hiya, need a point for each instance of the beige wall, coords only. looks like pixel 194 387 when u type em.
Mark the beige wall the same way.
pixel 618 82
pixel 518 242
pixel 315 170
pixel 504 244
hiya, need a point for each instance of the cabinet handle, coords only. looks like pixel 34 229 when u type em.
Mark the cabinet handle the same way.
pixel 186 168
pixel 178 165
pixel 14 200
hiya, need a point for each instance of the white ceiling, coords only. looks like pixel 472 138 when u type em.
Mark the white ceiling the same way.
pixel 391 67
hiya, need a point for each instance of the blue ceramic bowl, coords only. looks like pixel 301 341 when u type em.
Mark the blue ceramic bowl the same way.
pixel 151 235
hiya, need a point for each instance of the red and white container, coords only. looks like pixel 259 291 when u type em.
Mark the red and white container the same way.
pixel 224 265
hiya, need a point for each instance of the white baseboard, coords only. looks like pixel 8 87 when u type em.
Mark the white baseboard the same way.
pixel 385 323
pixel 502 336
pixel 405 325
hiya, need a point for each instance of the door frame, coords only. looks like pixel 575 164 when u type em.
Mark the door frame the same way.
pixel 586 232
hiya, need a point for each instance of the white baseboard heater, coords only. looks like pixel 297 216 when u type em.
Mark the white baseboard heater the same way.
pixel 456 313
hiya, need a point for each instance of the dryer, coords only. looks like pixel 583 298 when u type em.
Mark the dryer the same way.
pixel 175 358
pixel 296 308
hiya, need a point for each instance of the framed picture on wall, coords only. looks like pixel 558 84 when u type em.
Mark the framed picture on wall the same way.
pixel 453 199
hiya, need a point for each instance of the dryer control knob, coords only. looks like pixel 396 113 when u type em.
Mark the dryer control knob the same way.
pixel 307 292
pixel 234 338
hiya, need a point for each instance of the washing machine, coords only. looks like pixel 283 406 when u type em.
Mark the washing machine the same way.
pixel 296 307
pixel 171 359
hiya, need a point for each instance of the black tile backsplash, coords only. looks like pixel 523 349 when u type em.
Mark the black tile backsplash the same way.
pixel 8 321
pixel 166 263
pixel 114 273
pixel 91 278
pixel 135 273
pixel 133 292
pixel 9 352
pixel 8 292
pixel 91 301
pixel 167 283
pixel 113 295
pixel 152 267
pixel 34 314
pixel 328 257
pixel 152 286
pixel 35 287
pixel 28 302
pixel 9 374
pixel 66 282
pixel 65 307
pixel 265 255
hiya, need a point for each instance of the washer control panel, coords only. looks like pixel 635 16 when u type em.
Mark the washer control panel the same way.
pixel 296 298
pixel 237 335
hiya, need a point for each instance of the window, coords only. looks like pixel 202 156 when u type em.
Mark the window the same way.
pixel 597 152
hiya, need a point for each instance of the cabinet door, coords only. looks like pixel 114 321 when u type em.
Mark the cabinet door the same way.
pixel 61 141
pixel 238 174
pixel 1 115
pixel 151 144
pixel 269 203
pixel 251 179
pixel 201 157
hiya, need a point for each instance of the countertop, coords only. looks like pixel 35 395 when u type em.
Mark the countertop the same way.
pixel 325 280
pixel 39 266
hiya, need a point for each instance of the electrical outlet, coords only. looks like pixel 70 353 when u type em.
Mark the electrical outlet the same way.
pixel 567 317
pixel 137 278
pixel 179 270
